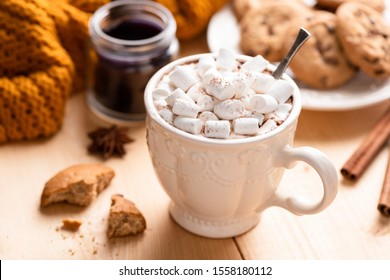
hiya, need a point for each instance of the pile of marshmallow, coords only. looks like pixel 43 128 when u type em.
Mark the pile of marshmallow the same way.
pixel 223 98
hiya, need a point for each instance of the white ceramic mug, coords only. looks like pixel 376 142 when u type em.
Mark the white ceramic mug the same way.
pixel 219 187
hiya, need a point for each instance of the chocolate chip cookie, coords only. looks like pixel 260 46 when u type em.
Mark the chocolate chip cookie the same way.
pixel 321 62
pixel 365 37
pixel 241 7
pixel 378 5
pixel 263 30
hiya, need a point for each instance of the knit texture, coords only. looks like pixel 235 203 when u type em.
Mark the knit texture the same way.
pixel 42 60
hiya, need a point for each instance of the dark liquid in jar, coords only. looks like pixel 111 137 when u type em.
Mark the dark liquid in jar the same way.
pixel 120 85
pixel 133 29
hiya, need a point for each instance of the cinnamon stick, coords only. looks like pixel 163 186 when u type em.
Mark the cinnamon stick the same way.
pixel 370 147
pixel 384 199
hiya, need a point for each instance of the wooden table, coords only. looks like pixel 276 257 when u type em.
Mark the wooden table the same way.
pixel 351 228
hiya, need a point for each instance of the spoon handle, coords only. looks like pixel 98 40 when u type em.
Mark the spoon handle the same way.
pixel 303 35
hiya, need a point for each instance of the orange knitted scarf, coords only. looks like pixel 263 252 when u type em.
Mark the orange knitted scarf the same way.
pixel 42 47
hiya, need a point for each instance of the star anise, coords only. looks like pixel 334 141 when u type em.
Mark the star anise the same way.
pixel 109 141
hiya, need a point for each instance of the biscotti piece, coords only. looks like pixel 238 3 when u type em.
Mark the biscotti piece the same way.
pixel 78 184
pixel 124 218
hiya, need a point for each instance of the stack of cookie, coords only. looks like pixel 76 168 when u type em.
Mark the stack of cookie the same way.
pixel 354 37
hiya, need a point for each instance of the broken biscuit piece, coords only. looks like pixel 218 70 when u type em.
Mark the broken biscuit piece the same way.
pixel 124 218
pixel 78 184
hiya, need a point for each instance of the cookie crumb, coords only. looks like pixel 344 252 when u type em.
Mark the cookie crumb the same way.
pixel 71 225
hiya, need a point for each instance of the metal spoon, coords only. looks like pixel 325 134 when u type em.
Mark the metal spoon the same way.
pixel 303 35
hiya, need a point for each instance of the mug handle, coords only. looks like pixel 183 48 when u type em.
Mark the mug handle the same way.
pixel 298 204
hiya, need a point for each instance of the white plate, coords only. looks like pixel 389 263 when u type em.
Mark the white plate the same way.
pixel 361 91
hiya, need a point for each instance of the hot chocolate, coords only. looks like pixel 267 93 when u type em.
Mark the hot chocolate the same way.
pixel 223 98
pixel 219 185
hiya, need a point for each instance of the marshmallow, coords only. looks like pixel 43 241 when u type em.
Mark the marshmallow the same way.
pixel 263 103
pixel 205 63
pixel 242 82
pixel 217 129
pixel 259 117
pixel 205 103
pixel 248 126
pixel 262 82
pixel 207 116
pixel 185 108
pixel 190 125
pixel 160 104
pixel 217 101
pixel 160 93
pixel 256 64
pixel 281 90
pixel 182 77
pixel 229 109
pixel 221 89
pixel 175 95
pixel 210 75
pixel 245 99
pixel 167 115
pixel 196 91
pixel 283 110
pixel 166 83
pixel 227 74
pixel 244 94
pixel 226 60
pixel 267 126
pixel 246 114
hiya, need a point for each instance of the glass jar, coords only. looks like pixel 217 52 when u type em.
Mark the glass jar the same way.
pixel 130 41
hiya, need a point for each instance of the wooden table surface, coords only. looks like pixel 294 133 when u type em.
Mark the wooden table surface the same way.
pixel 351 228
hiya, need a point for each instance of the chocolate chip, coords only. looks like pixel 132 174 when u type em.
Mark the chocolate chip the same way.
pixel 332 60
pixel 266 52
pixel 271 31
pixel 376 32
pixel 324 80
pixel 379 72
pixel 372 20
pixel 330 28
pixel 371 60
